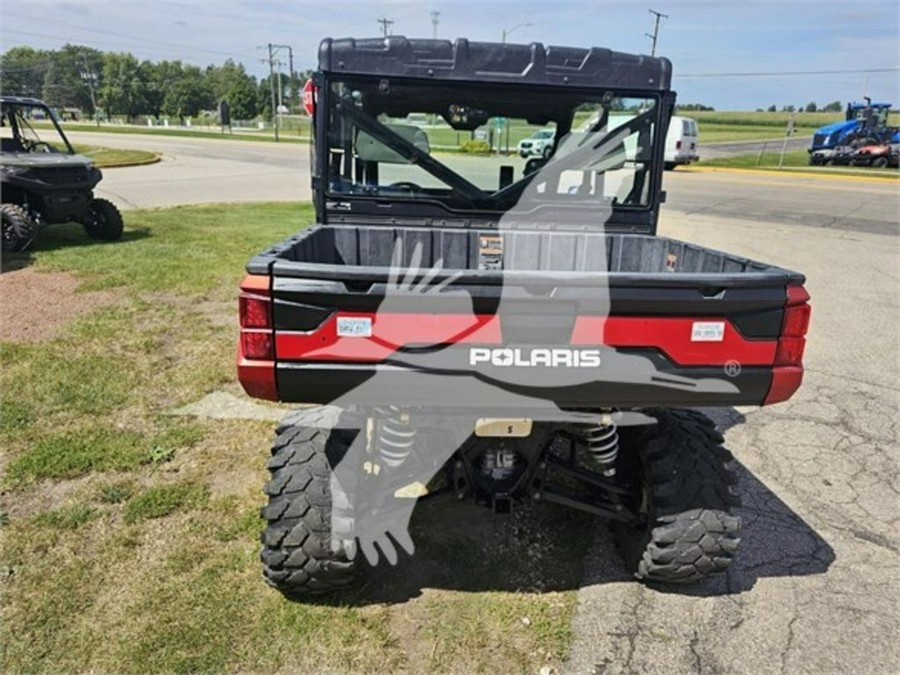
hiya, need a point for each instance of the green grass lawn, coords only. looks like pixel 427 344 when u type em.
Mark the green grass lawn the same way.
pixel 794 160
pixel 715 127
pixel 129 536
pixel 110 157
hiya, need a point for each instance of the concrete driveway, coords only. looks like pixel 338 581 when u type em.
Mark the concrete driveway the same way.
pixel 815 586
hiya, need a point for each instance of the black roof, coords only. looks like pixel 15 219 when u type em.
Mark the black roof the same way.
pixel 462 60
pixel 22 101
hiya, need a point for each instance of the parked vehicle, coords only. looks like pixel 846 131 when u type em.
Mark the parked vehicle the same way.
pixel 500 337
pixel 879 156
pixel 682 142
pixel 863 123
pixel 539 144
pixel 43 181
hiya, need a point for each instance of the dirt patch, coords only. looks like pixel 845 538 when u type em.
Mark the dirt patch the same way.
pixel 36 306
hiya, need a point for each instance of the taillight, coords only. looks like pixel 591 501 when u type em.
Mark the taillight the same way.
pixel 796 320
pixel 788 371
pixel 791 341
pixel 678 145
pixel 255 311
pixel 790 351
pixel 256 356
pixel 257 344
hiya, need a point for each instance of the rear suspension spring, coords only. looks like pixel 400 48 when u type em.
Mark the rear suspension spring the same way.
pixel 395 436
pixel 602 441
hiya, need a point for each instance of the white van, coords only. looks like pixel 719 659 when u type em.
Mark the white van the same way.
pixel 682 142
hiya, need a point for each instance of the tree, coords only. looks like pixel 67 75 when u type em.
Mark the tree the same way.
pixel 189 95
pixel 772 108
pixel 810 107
pixel 22 71
pixel 243 100
pixel 230 82
pixel 834 106
pixel 67 82
pixel 161 76
pixel 124 90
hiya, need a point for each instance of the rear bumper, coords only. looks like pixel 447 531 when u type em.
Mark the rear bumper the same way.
pixel 382 384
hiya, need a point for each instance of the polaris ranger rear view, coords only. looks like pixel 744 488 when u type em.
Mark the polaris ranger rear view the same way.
pixel 501 328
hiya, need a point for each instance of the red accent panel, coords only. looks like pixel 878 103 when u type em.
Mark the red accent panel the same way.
pixel 672 335
pixel 785 381
pixel 392 331
pixel 258 378
pixel 389 333
pixel 256 283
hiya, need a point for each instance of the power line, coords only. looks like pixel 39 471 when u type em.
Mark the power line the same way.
pixel 116 34
pixel 791 73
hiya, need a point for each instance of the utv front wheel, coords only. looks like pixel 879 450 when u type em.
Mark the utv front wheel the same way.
pixel 300 555
pixel 104 221
pixel 686 529
pixel 18 228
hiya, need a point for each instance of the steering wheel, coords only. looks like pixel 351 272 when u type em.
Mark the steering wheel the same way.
pixel 32 146
pixel 406 185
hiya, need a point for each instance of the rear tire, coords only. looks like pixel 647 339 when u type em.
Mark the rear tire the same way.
pixel 104 222
pixel 18 228
pixel 669 166
pixel 880 162
pixel 298 555
pixel 687 530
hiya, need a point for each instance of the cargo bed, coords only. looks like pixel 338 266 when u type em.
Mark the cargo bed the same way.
pixel 561 290
pixel 338 251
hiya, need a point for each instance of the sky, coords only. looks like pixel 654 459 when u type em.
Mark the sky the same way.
pixel 733 55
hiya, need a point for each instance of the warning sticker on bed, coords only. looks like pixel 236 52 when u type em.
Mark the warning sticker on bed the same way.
pixel 708 331
pixel 354 326
pixel 490 252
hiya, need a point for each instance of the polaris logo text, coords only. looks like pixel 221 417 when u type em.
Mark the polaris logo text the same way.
pixel 535 358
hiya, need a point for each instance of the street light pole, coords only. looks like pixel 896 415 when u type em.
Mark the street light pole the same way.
pixel 516 27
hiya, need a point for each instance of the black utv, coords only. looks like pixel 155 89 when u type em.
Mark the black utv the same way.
pixel 43 181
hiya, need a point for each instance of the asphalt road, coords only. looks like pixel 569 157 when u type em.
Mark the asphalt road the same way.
pixel 816 588
pixel 196 171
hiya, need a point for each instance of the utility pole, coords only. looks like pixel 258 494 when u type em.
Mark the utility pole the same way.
pixel 506 32
pixel 290 49
pixel 655 29
pixel 386 23
pixel 272 88
pixel 435 20
pixel 88 76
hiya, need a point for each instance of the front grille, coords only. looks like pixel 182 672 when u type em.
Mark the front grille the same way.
pixel 62 175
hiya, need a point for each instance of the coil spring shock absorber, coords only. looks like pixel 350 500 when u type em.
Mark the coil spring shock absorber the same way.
pixel 394 436
pixel 602 440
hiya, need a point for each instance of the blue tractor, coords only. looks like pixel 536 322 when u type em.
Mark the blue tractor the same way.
pixel 864 124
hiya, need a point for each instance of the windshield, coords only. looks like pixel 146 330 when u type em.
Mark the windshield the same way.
pixel 462 145
pixel 18 132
